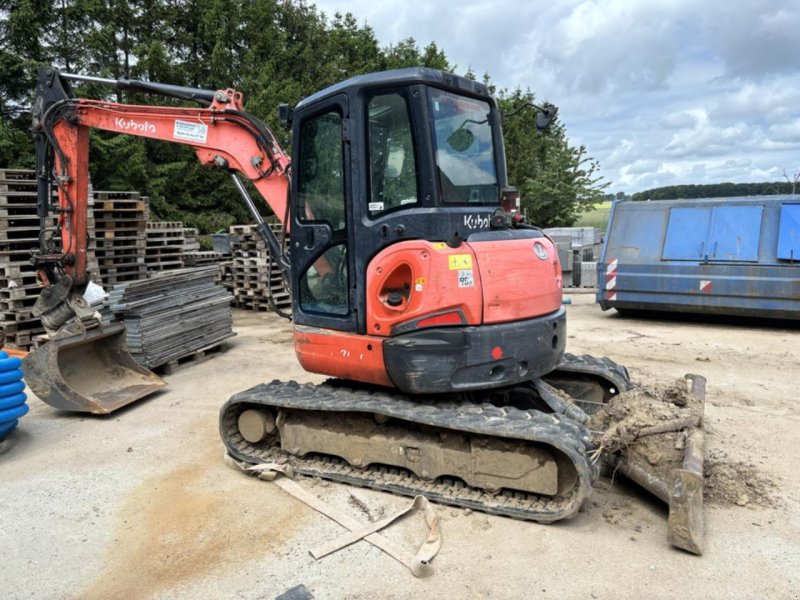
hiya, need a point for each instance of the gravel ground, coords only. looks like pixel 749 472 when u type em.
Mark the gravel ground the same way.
pixel 140 504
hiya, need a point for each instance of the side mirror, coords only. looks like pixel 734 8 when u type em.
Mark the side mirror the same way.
pixel 547 113
pixel 461 139
pixel 285 114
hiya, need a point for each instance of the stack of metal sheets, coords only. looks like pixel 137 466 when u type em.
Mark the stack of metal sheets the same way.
pixel 173 314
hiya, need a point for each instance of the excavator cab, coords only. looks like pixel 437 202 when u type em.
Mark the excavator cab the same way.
pixel 407 269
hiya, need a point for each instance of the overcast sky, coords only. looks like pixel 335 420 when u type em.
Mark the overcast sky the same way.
pixel 661 92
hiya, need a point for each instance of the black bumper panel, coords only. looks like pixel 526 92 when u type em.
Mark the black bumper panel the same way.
pixel 450 359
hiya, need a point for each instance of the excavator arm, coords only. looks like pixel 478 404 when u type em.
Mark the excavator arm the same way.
pixel 221 133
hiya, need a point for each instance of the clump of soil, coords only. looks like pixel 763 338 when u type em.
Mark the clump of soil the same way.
pixel 646 424
pixel 729 483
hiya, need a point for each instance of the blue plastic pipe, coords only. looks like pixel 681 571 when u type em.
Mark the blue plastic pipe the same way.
pixel 12 396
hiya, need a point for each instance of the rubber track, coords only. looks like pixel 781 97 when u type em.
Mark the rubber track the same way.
pixel 571 438
pixel 603 368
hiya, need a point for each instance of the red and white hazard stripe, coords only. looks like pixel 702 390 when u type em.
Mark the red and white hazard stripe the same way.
pixel 611 280
pixel 706 286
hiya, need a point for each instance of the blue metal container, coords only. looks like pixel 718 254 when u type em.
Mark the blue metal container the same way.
pixel 12 396
pixel 730 256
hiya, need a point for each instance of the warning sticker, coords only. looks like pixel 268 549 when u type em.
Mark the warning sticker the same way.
pixel 193 132
pixel 439 246
pixel 373 206
pixel 465 278
pixel 459 261
pixel 419 284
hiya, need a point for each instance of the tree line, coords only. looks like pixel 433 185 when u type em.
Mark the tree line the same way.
pixel 715 190
pixel 274 51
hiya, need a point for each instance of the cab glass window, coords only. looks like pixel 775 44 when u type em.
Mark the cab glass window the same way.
pixel 321 191
pixel 321 196
pixel 464 149
pixel 392 164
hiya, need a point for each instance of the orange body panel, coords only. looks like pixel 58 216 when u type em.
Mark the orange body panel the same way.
pixel 429 278
pixel 488 282
pixel 341 354
pixel 521 278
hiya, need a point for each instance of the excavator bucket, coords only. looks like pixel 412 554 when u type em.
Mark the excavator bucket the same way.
pixel 92 372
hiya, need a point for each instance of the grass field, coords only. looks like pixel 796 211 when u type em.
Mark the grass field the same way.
pixel 597 217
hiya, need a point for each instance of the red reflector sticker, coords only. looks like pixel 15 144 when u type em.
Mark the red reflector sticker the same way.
pixel 451 318
pixel 497 353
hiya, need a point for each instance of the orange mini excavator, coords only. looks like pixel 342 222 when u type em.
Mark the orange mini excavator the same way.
pixel 415 284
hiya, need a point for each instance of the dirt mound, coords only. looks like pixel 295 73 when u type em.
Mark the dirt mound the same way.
pixel 729 483
pixel 646 425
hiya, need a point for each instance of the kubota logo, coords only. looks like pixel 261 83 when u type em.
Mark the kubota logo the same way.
pixel 131 125
pixel 476 221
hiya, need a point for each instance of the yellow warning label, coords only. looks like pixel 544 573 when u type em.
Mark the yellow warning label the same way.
pixel 421 281
pixel 439 246
pixel 459 261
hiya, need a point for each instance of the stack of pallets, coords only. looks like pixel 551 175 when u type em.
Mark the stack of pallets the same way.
pixel 207 257
pixel 120 219
pixel 257 280
pixel 165 245
pixel 226 275
pixel 19 235
pixel 191 240
pixel 173 317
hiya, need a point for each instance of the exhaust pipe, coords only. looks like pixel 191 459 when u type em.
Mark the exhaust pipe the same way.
pixel 90 373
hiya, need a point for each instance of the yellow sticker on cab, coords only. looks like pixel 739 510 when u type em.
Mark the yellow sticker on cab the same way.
pixel 457 262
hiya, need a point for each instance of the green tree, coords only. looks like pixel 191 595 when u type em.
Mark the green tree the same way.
pixel 715 190
pixel 274 51
pixel 407 54
pixel 557 181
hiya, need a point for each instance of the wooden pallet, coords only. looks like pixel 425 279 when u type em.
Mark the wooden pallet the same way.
pixel 192 358
pixel 199 258
pixel 120 234
pixel 256 280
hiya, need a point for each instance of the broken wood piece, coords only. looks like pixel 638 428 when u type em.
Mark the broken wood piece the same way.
pixel 429 549
pixel 419 564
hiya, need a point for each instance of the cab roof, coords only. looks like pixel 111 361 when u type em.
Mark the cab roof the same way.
pixel 401 77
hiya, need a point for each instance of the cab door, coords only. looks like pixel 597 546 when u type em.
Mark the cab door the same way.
pixel 321 228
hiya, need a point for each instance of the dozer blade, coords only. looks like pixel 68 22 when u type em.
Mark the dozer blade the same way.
pixel 92 372
pixel 678 483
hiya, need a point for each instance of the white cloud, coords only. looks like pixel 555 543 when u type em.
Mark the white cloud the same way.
pixel 660 91
pixel 678 120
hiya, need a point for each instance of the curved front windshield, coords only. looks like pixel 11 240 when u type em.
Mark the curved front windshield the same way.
pixel 464 149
